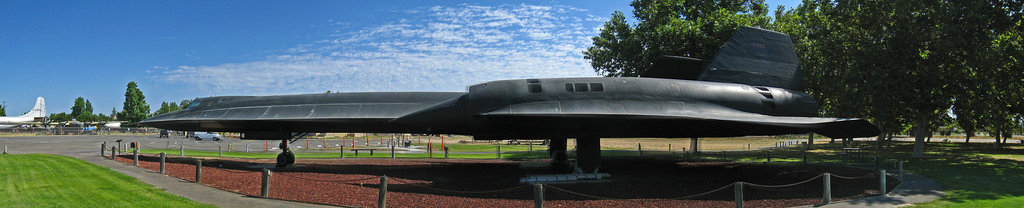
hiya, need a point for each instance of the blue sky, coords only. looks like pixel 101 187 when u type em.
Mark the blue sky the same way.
pixel 187 49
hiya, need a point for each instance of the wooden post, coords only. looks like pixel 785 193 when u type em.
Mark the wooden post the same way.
pixel 769 156
pixel 392 149
pixel 168 145
pixel 670 151
pixel 341 149
pixel 430 149
pixel 382 197
pixel 881 180
pixel 163 163
pixel 738 194
pixel 499 152
pixel 538 195
pixel 103 147
pixel 827 192
pixel 693 145
pixel 135 155
pixel 265 184
pixel 199 171
pixel 219 152
pixel 247 147
pixel 181 150
pixel 113 153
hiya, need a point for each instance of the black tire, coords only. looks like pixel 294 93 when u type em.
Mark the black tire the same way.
pixel 285 158
pixel 197 138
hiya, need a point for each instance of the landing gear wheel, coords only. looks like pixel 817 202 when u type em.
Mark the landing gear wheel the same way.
pixel 285 158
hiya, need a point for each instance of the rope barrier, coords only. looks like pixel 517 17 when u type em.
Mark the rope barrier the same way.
pixel 578 194
pixel 329 181
pixel 406 182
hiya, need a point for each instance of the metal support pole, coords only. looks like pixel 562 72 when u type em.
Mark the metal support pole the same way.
pixel 246 147
pixel 693 145
pixel 738 194
pixel 341 149
pixel 881 181
pixel 219 152
pixel 181 150
pixel 392 150
pixel 113 153
pixel 900 166
pixel 135 155
pixel 827 192
pixel 769 156
pixel 445 152
pixel 499 152
pixel 805 156
pixel 670 151
pixel 265 184
pixel 103 147
pixel 639 150
pixel 199 171
pixel 382 197
pixel 163 163
pixel 538 195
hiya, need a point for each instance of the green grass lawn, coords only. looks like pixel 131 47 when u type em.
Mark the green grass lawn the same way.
pixel 36 180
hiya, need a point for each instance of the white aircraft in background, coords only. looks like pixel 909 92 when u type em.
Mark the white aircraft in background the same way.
pixel 37 114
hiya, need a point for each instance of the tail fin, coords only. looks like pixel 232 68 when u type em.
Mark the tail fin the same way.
pixel 39 110
pixel 756 57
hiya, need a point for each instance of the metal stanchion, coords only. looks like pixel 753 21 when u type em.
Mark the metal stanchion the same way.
pixel 163 163
pixel 738 194
pixel 881 180
pixel 219 152
pixel 901 170
pixel 265 184
pixel 135 155
pixel 538 195
pixel 103 147
pixel 499 152
pixel 382 197
pixel 199 171
pixel 827 192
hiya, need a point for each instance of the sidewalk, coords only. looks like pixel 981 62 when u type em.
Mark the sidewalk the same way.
pixel 916 189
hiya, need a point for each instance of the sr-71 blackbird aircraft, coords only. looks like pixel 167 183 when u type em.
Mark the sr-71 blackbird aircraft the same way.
pixel 749 88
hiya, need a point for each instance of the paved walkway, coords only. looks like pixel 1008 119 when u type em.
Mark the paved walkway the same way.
pixel 915 189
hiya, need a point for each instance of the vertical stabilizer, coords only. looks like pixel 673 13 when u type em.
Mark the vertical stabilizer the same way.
pixel 39 110
pixel 756 57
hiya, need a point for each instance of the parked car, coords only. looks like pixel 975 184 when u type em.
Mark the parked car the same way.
pixel 206 135
pixel 164 133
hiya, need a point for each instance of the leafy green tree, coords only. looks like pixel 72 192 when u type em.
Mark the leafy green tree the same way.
pixel 135 107
pixel 78 108
pixel 3 109
pixel 669 27
pixel 88 106
pixel 60 117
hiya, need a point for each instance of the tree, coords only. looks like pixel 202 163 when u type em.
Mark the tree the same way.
pixel 681 28
pixel 60 117
pixel 88 106
pixel 135 108
pixel 78 108
pixel 3 109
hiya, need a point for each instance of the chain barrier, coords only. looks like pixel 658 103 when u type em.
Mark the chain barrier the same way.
pixel 784 185
pixel 852 178
pixel 407 182
pixel 320 180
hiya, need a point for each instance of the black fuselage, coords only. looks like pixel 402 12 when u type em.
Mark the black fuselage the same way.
pixel 524 108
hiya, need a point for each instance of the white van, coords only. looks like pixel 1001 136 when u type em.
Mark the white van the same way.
pixel 206 135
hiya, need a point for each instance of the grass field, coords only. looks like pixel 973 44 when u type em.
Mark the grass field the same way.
pixel 36 180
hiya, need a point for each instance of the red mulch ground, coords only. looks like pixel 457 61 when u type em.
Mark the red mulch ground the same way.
pixel 635 182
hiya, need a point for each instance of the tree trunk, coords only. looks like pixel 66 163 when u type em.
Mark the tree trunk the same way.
pixel 998 135
pixel 968 135
pixel 919 130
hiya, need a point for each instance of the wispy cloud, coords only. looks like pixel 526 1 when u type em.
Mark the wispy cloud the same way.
pixel 437 48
